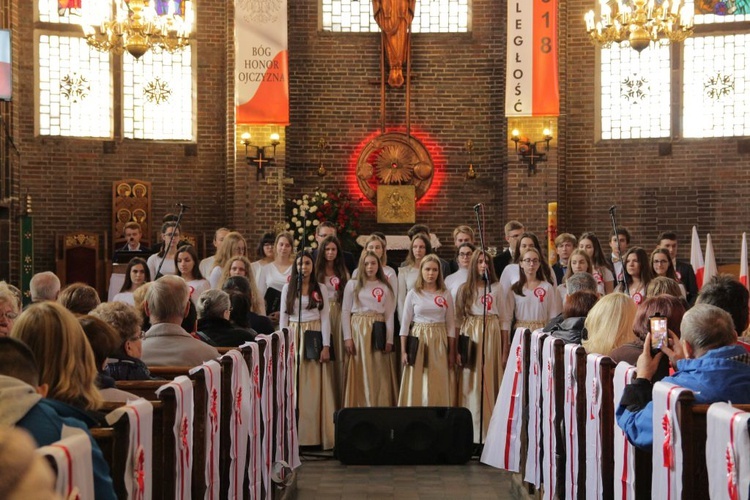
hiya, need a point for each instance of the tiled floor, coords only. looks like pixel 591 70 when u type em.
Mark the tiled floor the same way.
pixel 326 478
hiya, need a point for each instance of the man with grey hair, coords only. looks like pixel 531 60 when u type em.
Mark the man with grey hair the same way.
pixel 214 308
pixel 707 360
pixel 166 343
pixel 44 286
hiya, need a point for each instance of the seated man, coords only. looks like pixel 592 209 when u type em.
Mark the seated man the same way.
pixel 708 361
pixel 167 343
pixel 23 404
pixel 44 286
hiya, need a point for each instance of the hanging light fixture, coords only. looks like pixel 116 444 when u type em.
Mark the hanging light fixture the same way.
pixel 639 22
pixel 138 27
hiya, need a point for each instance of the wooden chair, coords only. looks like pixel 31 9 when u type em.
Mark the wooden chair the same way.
pixel 78 256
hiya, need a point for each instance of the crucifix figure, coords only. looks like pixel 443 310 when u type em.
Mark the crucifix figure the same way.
pixel 280 182
pixel 260 161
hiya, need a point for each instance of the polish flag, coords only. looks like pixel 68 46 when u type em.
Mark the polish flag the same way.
pixel 743 260
pixel 696 258
pixel 710 270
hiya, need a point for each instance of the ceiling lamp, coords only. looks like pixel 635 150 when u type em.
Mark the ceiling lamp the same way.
pixel 138 27
pixel 639 22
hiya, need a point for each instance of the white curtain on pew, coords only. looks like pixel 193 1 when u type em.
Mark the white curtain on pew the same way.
pixel 594 489
pixel 502 448
pixel 255 466
pixel 138 468
pixel 291 397
pixel 666 476
pixel 571 420
pixel 239 424
pixel 212 375
pixel 183 433
pixel 727 452
pixel 533 456
pixel 624 451
pixel 549 413
pixel 72 455
pixel 266 411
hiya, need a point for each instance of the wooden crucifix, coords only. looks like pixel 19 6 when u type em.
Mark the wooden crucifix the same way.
pixel 280 182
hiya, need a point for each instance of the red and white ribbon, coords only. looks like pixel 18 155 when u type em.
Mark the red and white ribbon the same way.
pixel 441 302
pixel 378 293
pixel 335 282
pixel 540 293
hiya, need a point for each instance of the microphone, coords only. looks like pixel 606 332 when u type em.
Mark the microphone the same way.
pixel 477 206
pixel 612 208
pixel 182 206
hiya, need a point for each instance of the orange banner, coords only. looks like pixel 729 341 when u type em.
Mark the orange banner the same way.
pixel 261 64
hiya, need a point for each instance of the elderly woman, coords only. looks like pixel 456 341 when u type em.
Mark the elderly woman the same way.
pixel 9 308
pixel 66 361
pixel 125 362
pixel 610 324
pixel 214 308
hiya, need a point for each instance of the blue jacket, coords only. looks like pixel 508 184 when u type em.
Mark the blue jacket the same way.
pixel 722 374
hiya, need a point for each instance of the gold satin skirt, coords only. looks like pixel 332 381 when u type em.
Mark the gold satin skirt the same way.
pixel 317 402
pixel 371 375
pixel 470 393
pixel 342 359
pixel 429 381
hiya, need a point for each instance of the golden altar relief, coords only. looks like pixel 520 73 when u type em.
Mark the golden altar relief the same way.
pixel 397 204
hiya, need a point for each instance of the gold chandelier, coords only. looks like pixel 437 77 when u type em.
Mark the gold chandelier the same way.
pixel 639 23
pixel 137 28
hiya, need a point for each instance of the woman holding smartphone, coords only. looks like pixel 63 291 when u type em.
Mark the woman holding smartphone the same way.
pixel 368 305
pixel 429 306
pixel 316 399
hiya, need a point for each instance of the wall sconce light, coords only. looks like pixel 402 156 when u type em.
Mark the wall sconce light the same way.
pixel 469 148
pixel 528 151
pixel 261 158
pixel 322 146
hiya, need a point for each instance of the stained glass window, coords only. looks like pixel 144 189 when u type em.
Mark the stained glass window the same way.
pixel 716 88
pixel 75 88
pixel 430 16
pixel 635 93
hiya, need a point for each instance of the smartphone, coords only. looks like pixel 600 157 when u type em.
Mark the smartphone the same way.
pixel 658 332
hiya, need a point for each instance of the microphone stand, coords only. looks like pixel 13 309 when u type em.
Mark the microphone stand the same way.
pixel 624 282
pixel 487 290
pixel 171 239
pixel 300 282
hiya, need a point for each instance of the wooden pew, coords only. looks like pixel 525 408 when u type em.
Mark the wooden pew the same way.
pixel 200 427
pixel 558 353
pixel 145 389
pixel 692 419
pixel 225 439
pixel 224 350
pixel 169 372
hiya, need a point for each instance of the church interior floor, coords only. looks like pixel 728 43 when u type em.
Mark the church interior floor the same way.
pixel 326 478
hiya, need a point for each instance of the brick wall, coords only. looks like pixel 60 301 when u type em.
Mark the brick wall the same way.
pixel 457 94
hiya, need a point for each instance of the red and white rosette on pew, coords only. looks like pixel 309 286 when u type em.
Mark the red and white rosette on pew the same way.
pixel 239 423
pixel 255 465
pixel 727 457
pixel 183 433
pixel 624 451
pixel 571 420
pixel 666 477
pixel 502 448
pixel 534 455
pixel 594 487
pixel 549 412
pixel 138 468
pixel 72 456
pixel 212 375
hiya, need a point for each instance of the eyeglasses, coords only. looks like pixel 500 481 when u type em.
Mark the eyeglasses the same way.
pixel 530 261
pixel 9 315
pixel 464 254
pixel 139 336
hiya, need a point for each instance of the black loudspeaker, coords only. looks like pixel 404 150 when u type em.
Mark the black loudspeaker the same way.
pixel 413 435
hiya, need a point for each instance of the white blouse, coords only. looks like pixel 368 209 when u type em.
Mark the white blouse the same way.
pixel 168 267
pixel 374 298
pixel 324 315
pixel 540 304
pixel 428 307
pixel 407 278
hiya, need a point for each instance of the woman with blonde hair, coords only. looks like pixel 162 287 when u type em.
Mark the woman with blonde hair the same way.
pixel 241 266
pixel 233 245
pixel 479 301
pixel 408 273
pixel 66 361
pixel 610 324
pixel 429 306
pixel 377 245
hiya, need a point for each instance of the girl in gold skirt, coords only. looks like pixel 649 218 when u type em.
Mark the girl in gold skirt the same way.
pixel 430 307
pixel 316 400
pixel 480 293
pixel 330 270
pixel 371 376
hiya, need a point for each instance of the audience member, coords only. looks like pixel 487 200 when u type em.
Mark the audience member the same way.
pixel 609 324
pixel 260 323
pixel 166 342
pixel 214 309
pixel 44 286
pixel 104 340
pixel 725 292
pixel 707 360
pixel 9 308
pixel 661 285
pixel 577 306
pixel 576 282
pixel 125 362
pixel 24 474
pixel 139 302
pixel 79 298
pixel 24 403
pixel 668 306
